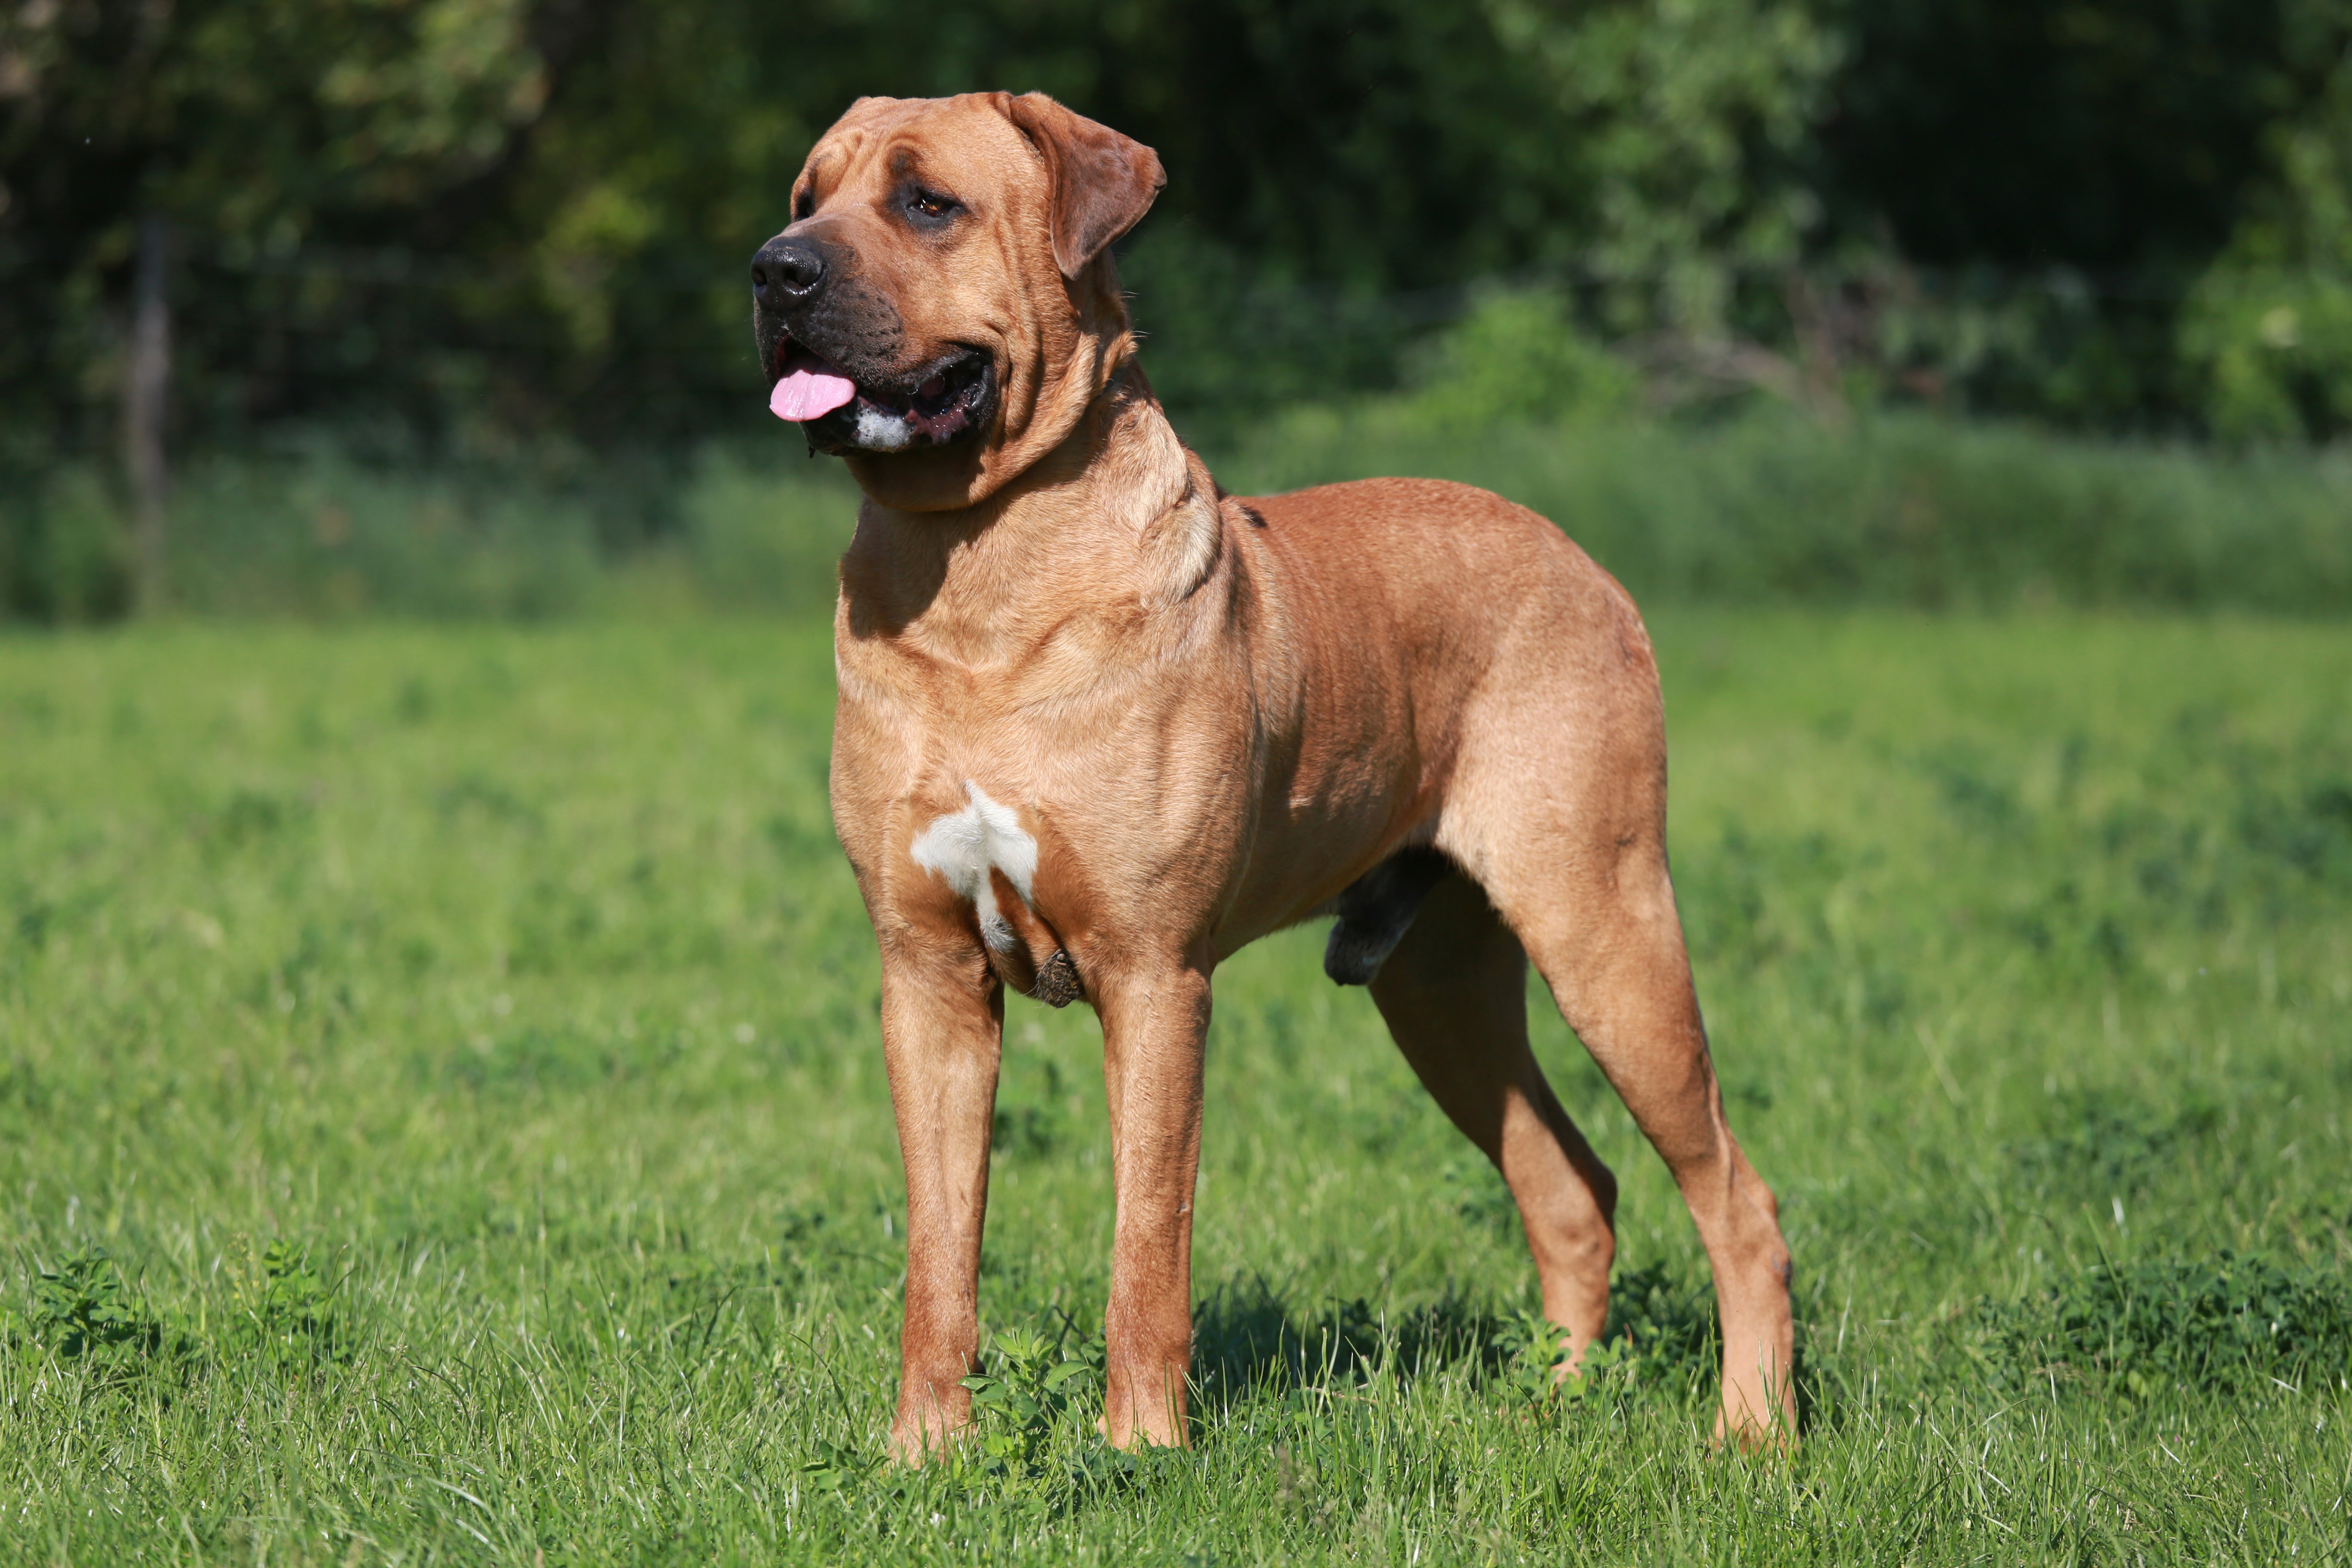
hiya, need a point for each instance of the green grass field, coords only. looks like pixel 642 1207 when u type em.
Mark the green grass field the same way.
pixel 460 1046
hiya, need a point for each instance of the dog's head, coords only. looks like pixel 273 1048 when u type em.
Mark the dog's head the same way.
pixel 940 311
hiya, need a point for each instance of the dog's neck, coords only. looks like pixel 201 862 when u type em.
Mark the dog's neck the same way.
pixel 1120 519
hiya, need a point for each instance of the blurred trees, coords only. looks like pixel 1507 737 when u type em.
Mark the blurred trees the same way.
pixel 2066 171
pixel 265 134
pixel 467 221
pixel 1692 122
pixel 2268 327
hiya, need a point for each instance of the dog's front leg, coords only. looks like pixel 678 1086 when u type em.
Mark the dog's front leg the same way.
pixel 942 1026
pixel 1154 1026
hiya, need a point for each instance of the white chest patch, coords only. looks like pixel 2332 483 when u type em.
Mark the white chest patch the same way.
pixel 962 848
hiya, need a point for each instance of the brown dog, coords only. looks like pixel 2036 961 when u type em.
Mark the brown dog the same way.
pixel 1101 725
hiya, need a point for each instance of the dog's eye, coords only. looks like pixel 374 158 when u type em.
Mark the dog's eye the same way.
pixel 803 204
pixel 931 206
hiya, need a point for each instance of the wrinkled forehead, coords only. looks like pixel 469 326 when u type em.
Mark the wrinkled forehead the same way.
pixel 960 146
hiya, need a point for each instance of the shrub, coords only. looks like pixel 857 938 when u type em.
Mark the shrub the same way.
pixel 2222 1323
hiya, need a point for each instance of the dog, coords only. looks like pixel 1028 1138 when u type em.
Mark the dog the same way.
pixel 1101 724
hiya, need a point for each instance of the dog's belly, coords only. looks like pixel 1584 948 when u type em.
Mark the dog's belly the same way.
pixel 1308 847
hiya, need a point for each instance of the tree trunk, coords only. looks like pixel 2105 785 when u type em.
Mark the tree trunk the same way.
pixel 145 394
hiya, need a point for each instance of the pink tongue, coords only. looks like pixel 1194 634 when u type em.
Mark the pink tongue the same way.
pixel 810 394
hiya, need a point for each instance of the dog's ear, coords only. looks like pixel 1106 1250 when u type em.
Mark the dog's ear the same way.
pixel 1103 183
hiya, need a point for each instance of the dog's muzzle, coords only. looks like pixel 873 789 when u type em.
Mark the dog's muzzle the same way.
pixel 937 403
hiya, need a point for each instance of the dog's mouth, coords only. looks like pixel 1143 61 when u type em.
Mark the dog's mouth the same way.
pixel 929 407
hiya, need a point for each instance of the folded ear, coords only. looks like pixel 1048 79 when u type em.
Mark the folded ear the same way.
pixel 1103 183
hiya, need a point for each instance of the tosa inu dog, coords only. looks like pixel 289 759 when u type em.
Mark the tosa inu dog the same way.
pixel 1101 725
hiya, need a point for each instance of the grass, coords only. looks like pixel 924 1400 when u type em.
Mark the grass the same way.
pixel 441 1119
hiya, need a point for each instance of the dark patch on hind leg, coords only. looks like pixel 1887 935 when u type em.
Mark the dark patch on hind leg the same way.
pixel 1376 911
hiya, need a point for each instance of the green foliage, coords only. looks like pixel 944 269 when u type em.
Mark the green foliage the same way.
pixel 323 534
pixel 762 535
pixel 1662 1339
pixel 2268 327
pixel 1032 1121
pixel 257 130
pixel 2114 139
pixel 285 1311
pixel 1535 1354
pixel 82 1310
pixel 1690 121
pixel 456 222
pixel 2143 1330
pixel 1662 1331
pixel 2061 176
pixel 318 534
pixel 64 548
pixel 280 1317
pixel 1518 356
pixel 1016 1405
pixel 2108 1146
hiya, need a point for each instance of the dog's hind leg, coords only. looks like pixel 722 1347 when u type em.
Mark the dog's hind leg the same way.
pixel 1619 974
pixel 1596 911
pixel 1558 807
pixel 1453 992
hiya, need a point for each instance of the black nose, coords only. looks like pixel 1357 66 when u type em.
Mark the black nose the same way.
pixel 786 271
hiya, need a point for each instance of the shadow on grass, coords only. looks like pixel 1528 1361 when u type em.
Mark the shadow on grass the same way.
pixel 1249 1340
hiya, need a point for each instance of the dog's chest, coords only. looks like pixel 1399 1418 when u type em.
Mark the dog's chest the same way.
pixel 1047 806
pixel 967 818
